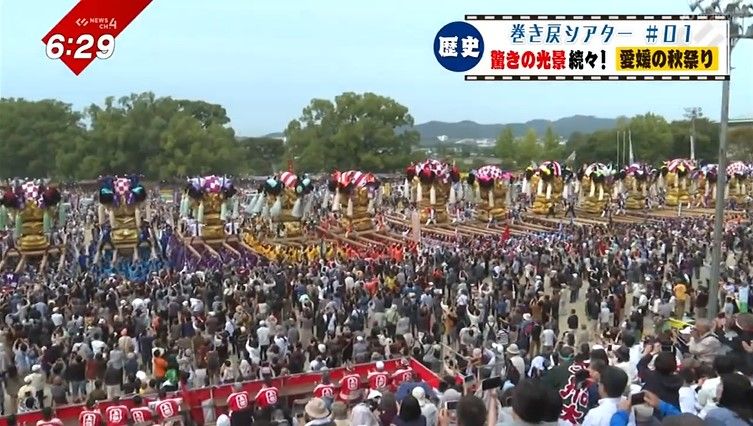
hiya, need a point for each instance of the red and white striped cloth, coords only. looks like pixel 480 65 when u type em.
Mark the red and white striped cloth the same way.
pixel 554 166
pixel 288 179
pixel 737 168
pixel 673 165
pixel 358 178
pixel 31 190
pixel 122 186
pixel 491 172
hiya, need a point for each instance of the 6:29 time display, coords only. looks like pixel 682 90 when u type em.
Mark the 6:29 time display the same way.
pixel 56 46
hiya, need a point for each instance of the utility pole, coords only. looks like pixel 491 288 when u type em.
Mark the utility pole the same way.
pixel 738 12
pixel 691 114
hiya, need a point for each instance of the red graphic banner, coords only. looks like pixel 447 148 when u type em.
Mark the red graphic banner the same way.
pixel 89 30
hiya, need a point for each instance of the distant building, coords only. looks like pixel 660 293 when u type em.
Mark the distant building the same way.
pixel 741 122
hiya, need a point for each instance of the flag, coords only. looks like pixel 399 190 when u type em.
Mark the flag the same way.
pixel 506 233
pixel 631 158
pixel 570 158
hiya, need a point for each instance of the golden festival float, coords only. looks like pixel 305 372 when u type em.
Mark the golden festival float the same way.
pixel 596 182
pixel 491 186
pixel 353 194
pixel 120 205
pixel 547 182
pixel 32 207
pixel 636 181
pixel 432 184
pixel 738 175
pixel 209 205
pixel 676 181
pixel 281 204
pixel 705 179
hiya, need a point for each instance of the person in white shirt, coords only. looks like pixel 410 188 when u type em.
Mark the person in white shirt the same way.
pixel 688 396
pixel 548 338
pixel 612 383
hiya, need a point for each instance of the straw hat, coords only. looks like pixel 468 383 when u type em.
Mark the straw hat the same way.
pixel 316 409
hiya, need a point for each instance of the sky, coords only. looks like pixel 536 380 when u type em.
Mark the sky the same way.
pixel 265 60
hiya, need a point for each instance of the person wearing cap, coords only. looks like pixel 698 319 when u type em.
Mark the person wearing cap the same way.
pixel 239 406
pixel 516 360
pixel 316 413
pixel 378 379
pixel 428 409
pixel 116 413
pixel 325 389
pixel 402 374
pixel 140 413
pixel 90 415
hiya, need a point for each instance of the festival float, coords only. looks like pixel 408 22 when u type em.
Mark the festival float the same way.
pixel 283 201
pixel 596 182
pixel 209 207
pixel 636 181
pixel 547 181
pixel 676 176
pixel 491 186
pixel 32 207
pixel 120 204
pixel 353 195
pixel 705 179
pixel 738 174
pixel 432 184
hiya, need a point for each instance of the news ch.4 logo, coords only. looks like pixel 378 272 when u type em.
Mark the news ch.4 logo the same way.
pixel 89 30
pixel 583 47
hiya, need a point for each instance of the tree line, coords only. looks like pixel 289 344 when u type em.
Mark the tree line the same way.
pixel 165 138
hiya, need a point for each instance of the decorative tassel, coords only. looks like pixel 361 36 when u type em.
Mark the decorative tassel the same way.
pixel 101 214
pixel 200 213
pixel 325 200
pixel 490 197
pixel 566 191
pixel 742 189
pixel 453 196
pixel 592 192
pixel 3 218
pixel 18 226
pixel 432 196
pixel 276 210
pixel 615 192
pixel 236 207
pixel 261 200
pixel 349 212
pixel 419 193
pixel 137 214
pixel 46 222
pixel 577 186
pixel 713 191
pixel 601 192
pixel 297 211
pixel 683 183
pixel 635 184
pixel 223 210
pixel 644 188
pixel 370 207
pixel 264 208
pixel 526 186
pixel 336 200
pixel 548 191
pixel 477 193
pixel 540 187
pixel 251 204
pixel 708 189
pixel 308 204
pixel 111 213
pixel 737 186
pixel 406 189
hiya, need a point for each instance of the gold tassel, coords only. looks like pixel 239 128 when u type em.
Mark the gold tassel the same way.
pixel 453 196
pixel 592 193
pixel 490 198
pixel 432 195
pixel 137 214
pixel 601 192
pixel 477 192
pixel 419 192
pixel 112 218
pixel 101 214
pixel 349 213
pixel 548 191
pixel 540 187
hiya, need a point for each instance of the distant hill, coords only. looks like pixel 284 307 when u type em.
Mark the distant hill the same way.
pixel 471 130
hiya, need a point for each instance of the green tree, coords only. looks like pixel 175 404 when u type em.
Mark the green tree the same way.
pixel 263 156
pixel 740 140
pixel 528 150
pixel 552 150
pixel 504 148
pixel 35 136
pixel 357 131
pixel 706 139
pixel 652 138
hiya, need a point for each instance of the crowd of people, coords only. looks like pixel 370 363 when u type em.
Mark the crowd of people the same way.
pixel 576 325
